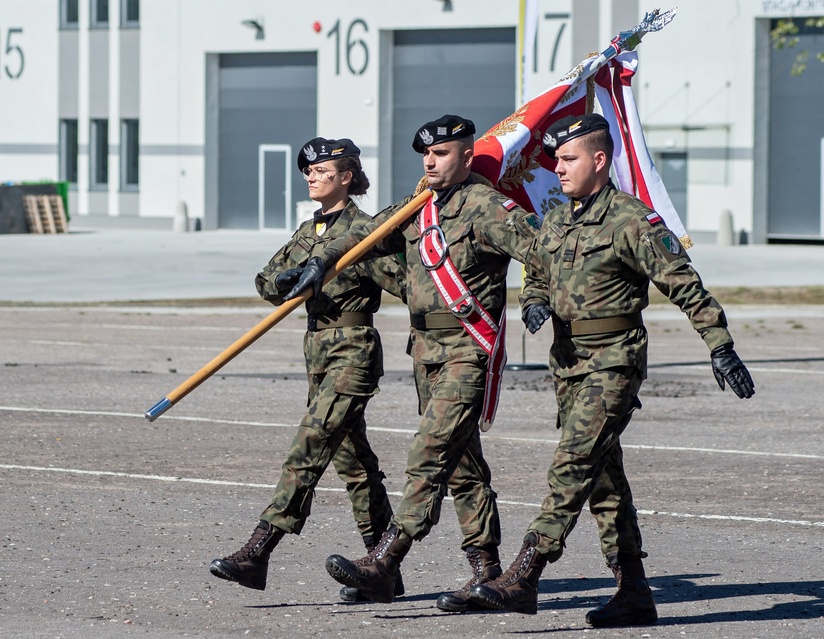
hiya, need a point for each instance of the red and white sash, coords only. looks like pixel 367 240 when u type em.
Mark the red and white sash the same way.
pixel 480 325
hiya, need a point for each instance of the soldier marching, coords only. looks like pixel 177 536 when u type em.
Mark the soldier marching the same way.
pixel 589 266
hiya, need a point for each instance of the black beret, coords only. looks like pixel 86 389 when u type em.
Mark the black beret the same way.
pixel 445 128
pixel 571 127
pixel 321 149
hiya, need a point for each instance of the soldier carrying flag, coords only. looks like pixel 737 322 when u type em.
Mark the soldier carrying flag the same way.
pixel 457 251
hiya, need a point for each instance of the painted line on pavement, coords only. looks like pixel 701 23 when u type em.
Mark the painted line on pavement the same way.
pixel 238 484
pixel 408 431
pixel 704 367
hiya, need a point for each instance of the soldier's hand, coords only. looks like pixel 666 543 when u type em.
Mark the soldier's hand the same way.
pixel 727 366
pixel 288 279
pixel 312 276
pixel 535 315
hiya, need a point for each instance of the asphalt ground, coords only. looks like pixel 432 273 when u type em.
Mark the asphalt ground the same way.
pixel 110 521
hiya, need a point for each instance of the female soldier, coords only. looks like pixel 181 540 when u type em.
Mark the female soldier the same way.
pixel 344 360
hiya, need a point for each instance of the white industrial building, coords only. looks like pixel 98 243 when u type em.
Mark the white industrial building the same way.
pixel 147 106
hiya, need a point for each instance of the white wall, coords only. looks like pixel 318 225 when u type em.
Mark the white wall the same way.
pixel 28 104
pixel 695 87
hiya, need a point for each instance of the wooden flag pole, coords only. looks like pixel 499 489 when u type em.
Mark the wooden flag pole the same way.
pixel 284 309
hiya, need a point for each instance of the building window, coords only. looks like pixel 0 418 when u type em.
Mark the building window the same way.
pixel 129 155
pixel 68 151
pixel 130 13
pixel 69 14
pixel 99 18
pixel 99 155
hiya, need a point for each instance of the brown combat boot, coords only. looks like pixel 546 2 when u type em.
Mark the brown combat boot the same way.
pixel 516 589
pixel 377 573
pixel 348 593
pixel 632 605
pixel 485 567
pixel 249 565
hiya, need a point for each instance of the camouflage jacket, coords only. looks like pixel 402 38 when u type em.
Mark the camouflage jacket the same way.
pixel 482 235
pixel 600 265
pixel 355 289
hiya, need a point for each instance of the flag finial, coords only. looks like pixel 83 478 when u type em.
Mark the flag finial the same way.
pixel 653 21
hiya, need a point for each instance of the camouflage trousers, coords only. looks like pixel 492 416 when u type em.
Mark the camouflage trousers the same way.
pixel 593 411
pixel 446 455
pixel 333 429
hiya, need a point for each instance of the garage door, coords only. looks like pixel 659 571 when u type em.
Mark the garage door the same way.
pixel 468 72
pixel 796 142
pixel 267 110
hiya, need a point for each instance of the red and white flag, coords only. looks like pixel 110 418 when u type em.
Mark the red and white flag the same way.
pixel 632 163
pixel 510 156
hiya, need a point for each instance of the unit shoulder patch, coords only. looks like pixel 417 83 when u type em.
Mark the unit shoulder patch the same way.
pixel 669 247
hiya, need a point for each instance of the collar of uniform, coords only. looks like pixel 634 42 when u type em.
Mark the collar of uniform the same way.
pixel 595 211
pixel 451 199
pixel 445 195
pixel 346 214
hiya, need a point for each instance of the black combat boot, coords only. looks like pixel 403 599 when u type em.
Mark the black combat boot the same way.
pixel 485 567
pixel 377 573
pixel 348 593
pixel 516 589
pixel 249 565
pixel 632 605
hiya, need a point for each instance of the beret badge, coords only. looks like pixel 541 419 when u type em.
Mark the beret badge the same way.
pixel 309 152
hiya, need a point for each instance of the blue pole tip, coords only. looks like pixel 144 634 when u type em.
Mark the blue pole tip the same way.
pixel 158 409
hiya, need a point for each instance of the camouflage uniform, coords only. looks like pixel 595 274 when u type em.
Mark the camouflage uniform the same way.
pixel 450 368
pixel 343 365
pixel 600 266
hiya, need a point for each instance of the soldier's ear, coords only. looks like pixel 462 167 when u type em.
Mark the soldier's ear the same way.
pixel 469 154
pixel 600 158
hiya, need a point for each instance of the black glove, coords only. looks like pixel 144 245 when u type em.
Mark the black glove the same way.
pixel 312 276
pixel 727 366
pixel 288 279
pixel 535 315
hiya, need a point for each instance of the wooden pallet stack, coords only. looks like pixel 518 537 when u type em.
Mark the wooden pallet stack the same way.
pixel 45 214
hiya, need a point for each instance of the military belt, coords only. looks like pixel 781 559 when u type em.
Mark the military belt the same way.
pixel 601 325
pixel 355 318
pixel 429 321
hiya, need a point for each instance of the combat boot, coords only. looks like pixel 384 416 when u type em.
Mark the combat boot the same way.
pixel 632 605
pixel 348 593
pixel 486 566
pixel 377 573
pixel 249 565
pixel 516 589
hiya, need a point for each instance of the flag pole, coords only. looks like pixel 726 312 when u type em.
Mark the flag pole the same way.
pixel 627 40
pixel 284 309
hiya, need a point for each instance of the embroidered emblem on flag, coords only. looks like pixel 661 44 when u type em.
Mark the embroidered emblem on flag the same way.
pixel 653 218
pixel 510 204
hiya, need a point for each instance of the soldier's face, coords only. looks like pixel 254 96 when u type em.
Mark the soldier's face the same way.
pixel 447 163
pixel 579 169
pixel 326 182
